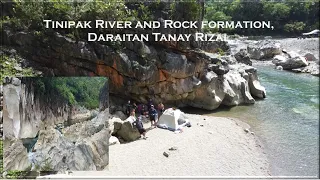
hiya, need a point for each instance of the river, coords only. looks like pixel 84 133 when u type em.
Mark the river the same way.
pixel 287 121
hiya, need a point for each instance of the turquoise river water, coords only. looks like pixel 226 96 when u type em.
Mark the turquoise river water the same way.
pixel 287 121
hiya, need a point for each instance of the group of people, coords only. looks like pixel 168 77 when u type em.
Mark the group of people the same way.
pixel 149 111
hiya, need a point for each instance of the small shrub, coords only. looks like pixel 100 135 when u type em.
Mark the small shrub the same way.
pixel 220 52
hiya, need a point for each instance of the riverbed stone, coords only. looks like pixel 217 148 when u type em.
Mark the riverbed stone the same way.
pixel 264 49
pixel 280 68
pixel 310 56
pixel 243 57
pixel 293 61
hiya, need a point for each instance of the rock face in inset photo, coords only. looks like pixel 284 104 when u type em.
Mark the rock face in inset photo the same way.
pixel 38 134
pixel 15 156
pixel 24 114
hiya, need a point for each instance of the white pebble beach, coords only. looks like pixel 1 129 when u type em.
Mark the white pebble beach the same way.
pixel 213 146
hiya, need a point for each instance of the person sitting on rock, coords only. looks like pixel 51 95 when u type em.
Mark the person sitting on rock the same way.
pixel 132 118
pixel 139 125
pixel 153 116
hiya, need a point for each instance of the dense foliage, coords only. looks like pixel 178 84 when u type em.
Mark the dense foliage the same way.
pixel 10 68
pixel 83 91
pixel 29 15
pixel 289 17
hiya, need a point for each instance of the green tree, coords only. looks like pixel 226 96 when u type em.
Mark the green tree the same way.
pixel 295 27
pixel 275 11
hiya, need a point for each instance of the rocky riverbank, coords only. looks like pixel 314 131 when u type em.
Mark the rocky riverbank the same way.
pixel 181 75
pixel 212 146
pixel 296 55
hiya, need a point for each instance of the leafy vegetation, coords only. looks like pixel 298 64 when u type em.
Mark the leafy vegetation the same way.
pixel 220 52
pixel 289 17
pixel 10 67
pixel 83 91
pixel 29 15
pixel 185 10
pixel 14 174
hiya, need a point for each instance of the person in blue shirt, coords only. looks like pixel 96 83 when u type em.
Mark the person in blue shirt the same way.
pixel 153 116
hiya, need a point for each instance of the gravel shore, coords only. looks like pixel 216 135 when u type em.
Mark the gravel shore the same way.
pixel 213 146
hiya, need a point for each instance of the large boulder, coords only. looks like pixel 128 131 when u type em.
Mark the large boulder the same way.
pixel 255 87
pixel 99 145
pixel 114 125
pixel 291 60
pixel 128 132
pixel 310 56
pixel 279 58
pixel 250 86
pixel 237 89
pixel 229 89
pixel 243 57
pixel 82 146
pixel 264 49
pixel 312 68
pixel 15 156
pixel 230 59
pixel 80 117
pixel 211 93
pixel 61 154
pixel 315 73
pixel 79 131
